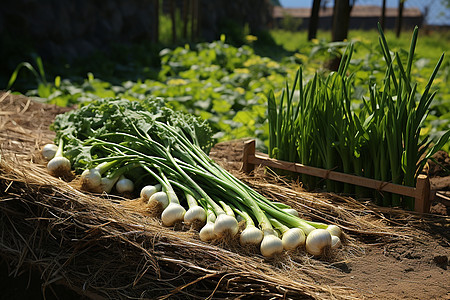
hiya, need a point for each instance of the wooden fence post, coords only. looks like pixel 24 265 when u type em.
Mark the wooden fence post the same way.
pixel 249 149
pixel 422 198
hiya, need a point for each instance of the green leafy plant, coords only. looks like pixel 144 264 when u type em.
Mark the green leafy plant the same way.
pixel 382 140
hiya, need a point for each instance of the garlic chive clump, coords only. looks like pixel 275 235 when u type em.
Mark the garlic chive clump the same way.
pixel 317 241
pixel 49 151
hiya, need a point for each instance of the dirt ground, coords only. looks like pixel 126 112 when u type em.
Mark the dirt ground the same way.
pixel 415 267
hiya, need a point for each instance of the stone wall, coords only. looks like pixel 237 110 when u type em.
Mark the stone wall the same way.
pixel 74 28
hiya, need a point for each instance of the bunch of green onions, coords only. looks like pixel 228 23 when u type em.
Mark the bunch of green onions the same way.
pixel 180 183
pixel 379 139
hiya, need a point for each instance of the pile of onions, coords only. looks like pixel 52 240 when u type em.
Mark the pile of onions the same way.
pixel 181 185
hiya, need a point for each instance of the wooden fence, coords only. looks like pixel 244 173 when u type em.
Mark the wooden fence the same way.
pixel 420 193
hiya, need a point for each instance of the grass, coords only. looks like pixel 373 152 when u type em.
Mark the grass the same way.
pixel 428 44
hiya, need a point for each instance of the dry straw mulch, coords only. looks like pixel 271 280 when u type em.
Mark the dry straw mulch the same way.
pixel 104 246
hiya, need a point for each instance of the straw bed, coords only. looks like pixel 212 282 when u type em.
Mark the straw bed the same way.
pixel 109 247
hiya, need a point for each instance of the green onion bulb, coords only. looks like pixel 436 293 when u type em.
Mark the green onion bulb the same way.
pixel 250 236
pixel 107 184
pixel 173 213
pixel 224 225
pixel 317 241
pixel 148 190
pixel 293 238
pixel 207 232
pixel 271 244
pixel 124 185
pixel 91 180
pixel 335 242
pixel 291 211
pixel 49 151
pixel 59 166
pixel 334 230
pixel 195 214
pixel 160 200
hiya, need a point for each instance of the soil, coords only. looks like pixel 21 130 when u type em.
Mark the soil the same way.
pixel 414 268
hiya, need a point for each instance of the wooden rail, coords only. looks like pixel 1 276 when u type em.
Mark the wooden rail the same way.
pixel 420 193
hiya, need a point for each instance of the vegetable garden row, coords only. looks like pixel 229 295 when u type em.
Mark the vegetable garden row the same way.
pixel 117 144
pixel 149 141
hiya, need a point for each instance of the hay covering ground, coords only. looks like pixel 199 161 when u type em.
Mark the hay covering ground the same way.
pixel 104 246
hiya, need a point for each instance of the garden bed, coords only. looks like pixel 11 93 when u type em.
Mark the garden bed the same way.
pixel 106 247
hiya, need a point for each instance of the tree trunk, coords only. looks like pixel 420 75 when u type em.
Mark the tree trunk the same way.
pixel 383 15
pixel 156 21
pixel 314 20
pixel 194 21
pixel 400 17
pixel 174 23
pixel 341 20
pixel 185 18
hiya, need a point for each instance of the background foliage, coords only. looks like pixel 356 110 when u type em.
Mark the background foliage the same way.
pixel 228 84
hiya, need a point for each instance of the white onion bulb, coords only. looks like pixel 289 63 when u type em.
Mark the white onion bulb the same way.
pixel 250 236
pixel 335 242
pixel 307 229
pixel 49 151
pixel 59 166
pixel 173 213
pixel 291 211
pixel 124 185
pixel 271 244
pixel 317 240
pixel 334 230
pixel 148 190
pixel 159 199
pixel 207 232
pixel 195 214
pixel 225 224
pixel 107 184
pixel 91 180
pixel 293 238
